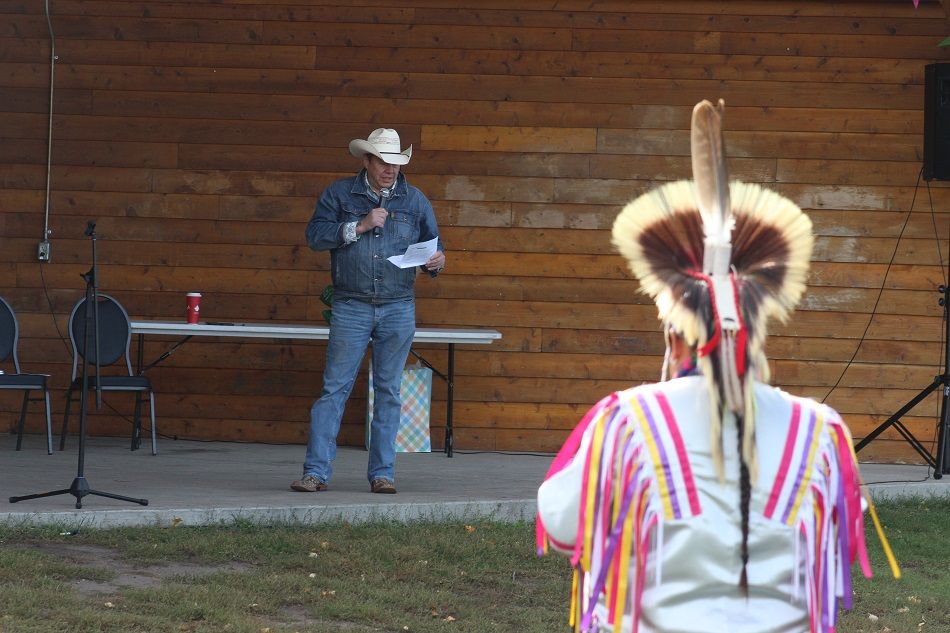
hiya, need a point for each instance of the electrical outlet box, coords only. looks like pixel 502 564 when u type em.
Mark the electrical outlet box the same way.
pixel 42 251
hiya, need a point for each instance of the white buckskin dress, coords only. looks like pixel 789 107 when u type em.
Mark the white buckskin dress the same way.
pixel 654 536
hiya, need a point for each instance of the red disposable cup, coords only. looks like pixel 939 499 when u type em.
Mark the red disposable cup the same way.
pixel 193 303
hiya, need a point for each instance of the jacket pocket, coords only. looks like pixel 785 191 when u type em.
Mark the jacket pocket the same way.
pixel 352 213
pixel 405 228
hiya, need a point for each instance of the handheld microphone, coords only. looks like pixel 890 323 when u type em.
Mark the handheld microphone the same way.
pixel 384 194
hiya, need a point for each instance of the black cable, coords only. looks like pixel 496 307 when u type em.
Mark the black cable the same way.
pixel 880 293
pixel 52 312
pixel 943 270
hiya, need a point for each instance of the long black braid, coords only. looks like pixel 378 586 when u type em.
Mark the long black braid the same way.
pixel 745 494
pixel 745 479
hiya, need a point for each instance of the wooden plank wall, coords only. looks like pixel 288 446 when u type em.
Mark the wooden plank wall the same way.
pixel 198 135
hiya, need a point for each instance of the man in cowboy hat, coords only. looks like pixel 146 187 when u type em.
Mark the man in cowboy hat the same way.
pixel 362 221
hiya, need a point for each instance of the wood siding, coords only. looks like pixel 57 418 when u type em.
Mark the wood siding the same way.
pixel 199 134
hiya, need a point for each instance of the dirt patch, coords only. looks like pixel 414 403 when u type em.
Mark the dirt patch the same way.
pixel 298 616
pixel 125 575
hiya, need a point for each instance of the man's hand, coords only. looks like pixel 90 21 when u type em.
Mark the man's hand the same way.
pixel 375 218
pixel 436 262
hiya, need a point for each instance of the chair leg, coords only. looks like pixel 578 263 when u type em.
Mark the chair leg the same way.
pixel 49 424
pixel 19 436
pixel 151 410
pixel 69 401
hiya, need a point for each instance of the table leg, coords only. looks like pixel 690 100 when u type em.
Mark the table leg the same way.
pixel 450 402
pixel 140 355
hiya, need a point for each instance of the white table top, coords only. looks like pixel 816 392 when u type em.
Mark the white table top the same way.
pixel 292 331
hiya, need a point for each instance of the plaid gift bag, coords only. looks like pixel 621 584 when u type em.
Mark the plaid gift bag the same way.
pixel 416 394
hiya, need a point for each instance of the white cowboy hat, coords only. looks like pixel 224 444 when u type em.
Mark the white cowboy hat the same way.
pixel 383 143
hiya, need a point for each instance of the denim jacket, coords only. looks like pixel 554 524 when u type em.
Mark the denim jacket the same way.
pixel 360 269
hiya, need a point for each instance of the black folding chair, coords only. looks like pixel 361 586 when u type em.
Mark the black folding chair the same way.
pixel 115 335
pixel 9 341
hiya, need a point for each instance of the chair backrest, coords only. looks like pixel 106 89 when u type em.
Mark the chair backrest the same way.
pixel 9 334
pixel 115 333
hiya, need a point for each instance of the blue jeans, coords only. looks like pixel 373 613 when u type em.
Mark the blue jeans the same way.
pixel 391 327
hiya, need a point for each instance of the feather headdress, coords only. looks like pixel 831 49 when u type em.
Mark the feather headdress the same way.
pixel 719 259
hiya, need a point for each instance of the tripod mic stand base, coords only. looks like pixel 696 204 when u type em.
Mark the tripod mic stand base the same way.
pixel 79 489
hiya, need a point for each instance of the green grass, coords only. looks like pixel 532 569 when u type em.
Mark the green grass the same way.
pixel 919 533
pixel 389 577
pixel 418 577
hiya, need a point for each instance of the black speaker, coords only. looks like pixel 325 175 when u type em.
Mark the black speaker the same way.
pixel 937 122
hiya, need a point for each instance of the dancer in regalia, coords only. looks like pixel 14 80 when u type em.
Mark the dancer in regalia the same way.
pixel 709 502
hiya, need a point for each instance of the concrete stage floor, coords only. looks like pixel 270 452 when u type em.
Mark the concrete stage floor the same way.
pixel 199 483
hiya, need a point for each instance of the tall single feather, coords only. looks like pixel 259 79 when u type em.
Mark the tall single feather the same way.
pixel 709 168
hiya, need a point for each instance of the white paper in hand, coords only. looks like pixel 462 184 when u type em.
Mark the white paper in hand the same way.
pixel 417 254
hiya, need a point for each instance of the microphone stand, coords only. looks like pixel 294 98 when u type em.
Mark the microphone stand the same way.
pixel 80 487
